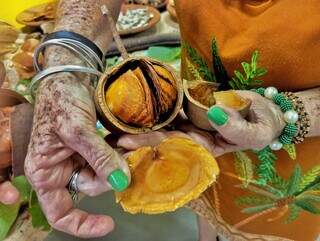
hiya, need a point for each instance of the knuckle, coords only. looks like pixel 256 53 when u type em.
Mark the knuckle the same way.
pixel 103 161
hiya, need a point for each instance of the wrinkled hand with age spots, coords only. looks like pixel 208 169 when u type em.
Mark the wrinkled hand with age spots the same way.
pixel 63 138
pixel 208 140
pixel 263 124
pixel 64 134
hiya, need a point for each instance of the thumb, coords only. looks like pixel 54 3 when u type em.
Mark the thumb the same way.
pixel 232 126
pixel 8 193
pixel 106 162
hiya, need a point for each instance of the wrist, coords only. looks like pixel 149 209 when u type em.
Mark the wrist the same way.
pixel 310 100
pixel 86 18
pixel 290 116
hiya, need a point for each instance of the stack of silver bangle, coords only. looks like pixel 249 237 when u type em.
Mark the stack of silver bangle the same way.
pixel 94 65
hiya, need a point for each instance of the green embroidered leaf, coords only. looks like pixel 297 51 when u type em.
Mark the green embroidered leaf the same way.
pixel 309 178
pixel 22 184
pixel 204 70
pixel 254 60
pixel 258 209
pixel 219 69
pixel 277 192
pixel 261 72
pixel 293 185
pixel 257 82
pixel 266 170
pixel 8 215
pixel 252 72
pixel 253 200
pixel 315 187
pixel 294 212
pixel 279 183
pixel 247 68
pixel 195 75
pixel 259 191
pixel 38 218
pixel 291 150
pixel 165 54
pixel 307 206
pixel 239 76
pixel 310 197
pixel 244 167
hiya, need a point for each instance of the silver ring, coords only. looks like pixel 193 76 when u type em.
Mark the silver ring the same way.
pixel 73 185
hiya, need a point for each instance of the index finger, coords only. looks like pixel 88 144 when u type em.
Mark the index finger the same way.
pixel 58 208
pixel 133 142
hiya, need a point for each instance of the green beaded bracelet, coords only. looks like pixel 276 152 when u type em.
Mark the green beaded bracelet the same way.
pixel 290 115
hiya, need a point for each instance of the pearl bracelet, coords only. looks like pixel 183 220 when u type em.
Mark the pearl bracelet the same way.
pixel 291 117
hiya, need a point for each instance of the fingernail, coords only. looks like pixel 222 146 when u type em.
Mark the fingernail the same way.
pixel 118 180
pixel 217 116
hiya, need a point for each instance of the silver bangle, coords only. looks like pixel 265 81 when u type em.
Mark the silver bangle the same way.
pixel 59 69
pixel 83 51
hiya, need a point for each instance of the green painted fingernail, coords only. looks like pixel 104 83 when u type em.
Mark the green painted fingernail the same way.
pixel 217 116
pixel 118 180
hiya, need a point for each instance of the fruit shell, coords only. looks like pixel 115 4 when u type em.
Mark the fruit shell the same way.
pixel 8 98
pixel 112 123
pixel 197 112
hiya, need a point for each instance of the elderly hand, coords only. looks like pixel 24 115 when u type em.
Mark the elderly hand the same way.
pixel 63 135
pixel 263 125
pixel 208 140
pixel 233 133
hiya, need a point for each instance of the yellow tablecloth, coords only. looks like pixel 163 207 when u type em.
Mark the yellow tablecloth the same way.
pixel 11 8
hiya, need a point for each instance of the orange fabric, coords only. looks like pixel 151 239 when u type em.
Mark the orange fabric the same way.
pixel 287 34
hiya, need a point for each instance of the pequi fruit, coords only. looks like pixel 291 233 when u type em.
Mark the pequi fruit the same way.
pixel 8 37
pixel 201 95
pixel 23 60
pixel 229 98
pixel 168 176
pixel 139 95
pixel 37 15
pixel 130 92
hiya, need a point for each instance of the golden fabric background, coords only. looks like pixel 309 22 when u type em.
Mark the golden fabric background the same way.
pixel 287 35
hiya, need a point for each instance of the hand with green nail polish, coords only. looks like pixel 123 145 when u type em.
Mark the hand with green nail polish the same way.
pixel 186 130
pixel 264 123
pixel 64 136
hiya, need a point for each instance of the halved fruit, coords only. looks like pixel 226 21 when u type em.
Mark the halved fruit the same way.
pixel 167 176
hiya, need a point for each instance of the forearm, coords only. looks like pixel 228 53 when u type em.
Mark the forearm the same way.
pixel 311 100
pixel 83 17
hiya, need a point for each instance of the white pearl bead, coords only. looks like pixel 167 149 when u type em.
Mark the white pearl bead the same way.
pixel 270 92
pixel 275 145
pixel 291 116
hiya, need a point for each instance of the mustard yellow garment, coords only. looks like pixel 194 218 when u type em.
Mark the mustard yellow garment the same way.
pixel 287 35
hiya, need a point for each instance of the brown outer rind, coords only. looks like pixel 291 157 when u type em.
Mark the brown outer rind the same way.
pixel 113 124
